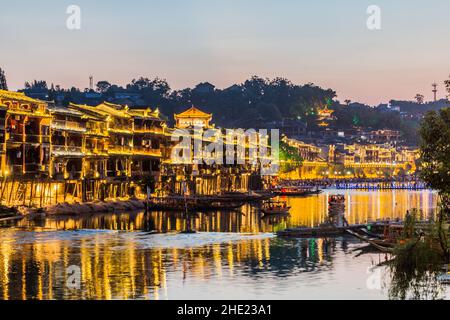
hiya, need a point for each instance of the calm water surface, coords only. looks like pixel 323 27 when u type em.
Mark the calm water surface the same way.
pixel 234 256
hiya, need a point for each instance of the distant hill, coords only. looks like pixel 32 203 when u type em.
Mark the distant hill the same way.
pixel 416 108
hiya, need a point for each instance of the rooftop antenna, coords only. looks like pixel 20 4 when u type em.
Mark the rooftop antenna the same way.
pixel 434 85
pixel 91 83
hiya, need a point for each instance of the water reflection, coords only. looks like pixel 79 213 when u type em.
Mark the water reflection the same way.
pixel 114 266
pixel 311 211
pixel 361 206
pixel 234 257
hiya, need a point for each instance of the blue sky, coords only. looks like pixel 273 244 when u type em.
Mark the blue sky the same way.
pixel 227 41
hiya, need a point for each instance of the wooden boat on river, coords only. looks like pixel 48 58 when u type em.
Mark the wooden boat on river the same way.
pixel 242 196
pixel 296 191
pixel 182 204
pixel 275 208
pixel 328 230
pixel 9 214
pixel 384 245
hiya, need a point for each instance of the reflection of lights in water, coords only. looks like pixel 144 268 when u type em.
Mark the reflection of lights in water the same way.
pixel 117 265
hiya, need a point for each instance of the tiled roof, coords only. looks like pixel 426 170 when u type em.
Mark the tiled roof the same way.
pixel 113 110
pixel 193 112
pixel 17 96
pixel 90 112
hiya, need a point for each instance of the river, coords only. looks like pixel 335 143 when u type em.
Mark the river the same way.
pixel 233 256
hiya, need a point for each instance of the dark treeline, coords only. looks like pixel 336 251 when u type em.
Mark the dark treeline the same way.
pixel 254 103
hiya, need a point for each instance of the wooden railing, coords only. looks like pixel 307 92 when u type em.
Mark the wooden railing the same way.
pixel 120 149
pixel 68 125
pixel 67 149
pixel 147 151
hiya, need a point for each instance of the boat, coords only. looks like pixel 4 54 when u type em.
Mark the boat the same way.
pixel 191 204
pixel 265 194
pixel 305 232
pixel 241 196
pixel 315 192
pixel 382 245
pixel 291 191
pixel 11 218
pixel 276 216
pixel 10 214
pixel 188 232
pixel 217 205
pixel 275 208
pixel 337 200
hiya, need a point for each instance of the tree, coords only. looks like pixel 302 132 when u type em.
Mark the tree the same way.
pixel 435 151
pixel 289 157
pixel 347 102
pixel 3 84
pixel 419 98
pixel 103 86
pixel 37 84
pixel 447 85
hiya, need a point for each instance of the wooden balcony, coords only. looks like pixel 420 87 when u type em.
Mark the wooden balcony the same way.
pixel 120 150
pixel 14 137
pixel 69 151
pixel 95 152
pixel 121 129
pixel 96 132
pixel 141 151
pixel 68 125
pixel 151 130
pixel 32 138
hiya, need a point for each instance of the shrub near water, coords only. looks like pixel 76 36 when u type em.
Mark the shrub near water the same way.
pixel 418 262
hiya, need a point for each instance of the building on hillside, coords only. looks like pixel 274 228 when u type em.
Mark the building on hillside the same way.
pixel 385 137
pixel 191 118
pixel 293 128
pixel 211 174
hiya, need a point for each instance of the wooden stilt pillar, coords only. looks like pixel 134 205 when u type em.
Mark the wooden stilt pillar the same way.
pixel 11 192
pixel 31 194
pixel 42 194
pixel 5 184
pixel 65 190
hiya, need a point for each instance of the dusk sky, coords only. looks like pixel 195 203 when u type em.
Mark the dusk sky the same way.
pixel 227 41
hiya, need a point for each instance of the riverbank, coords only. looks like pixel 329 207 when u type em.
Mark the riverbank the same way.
pixel 73 209
pixel 360 184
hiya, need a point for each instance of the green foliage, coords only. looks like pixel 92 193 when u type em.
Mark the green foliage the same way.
pixel 419 260
pixel 290 156
pixel 435 150
pixel 37 84
pixel 288 153
pixel 3 84
pixel 414 271
pixel 252 104
pixel 103 86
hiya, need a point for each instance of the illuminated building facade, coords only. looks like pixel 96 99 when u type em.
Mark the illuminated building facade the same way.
pixel 197 176
pixel 53 154
pixel 352 160
pixel 26 135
